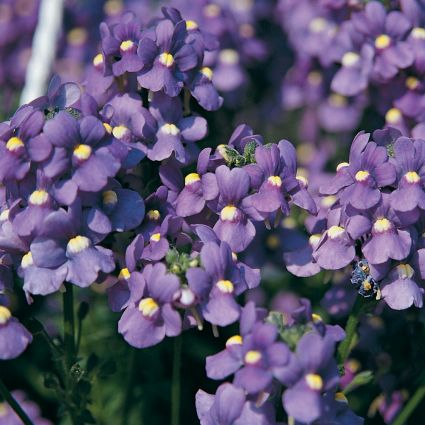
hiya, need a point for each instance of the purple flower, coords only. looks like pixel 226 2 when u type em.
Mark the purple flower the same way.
pixel 229 406
pixel 312 372
pixel 166 58
pixel 9 417
pixel 409 162
pixel 21 143
pixel 358 181
pixel 400 289
pixel 234 225
pixel 14 338
pixel 63 247
pixel 173 128
pixel 277 163
pixel 198 188
pixel 80 149
pixel 120 44
pixel 148 319
pixel 385 32
pixel 216 284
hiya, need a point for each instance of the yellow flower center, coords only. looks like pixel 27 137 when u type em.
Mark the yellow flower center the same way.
pixel 191 178
pixel 412 177
pixel 225 286
pixel 382 225
pixel 3 409
pixel 335 231
pixel 170 129
pixel 318 25
pixel 191 25
pixel 148 307
pixel 82 152
pixel 418 33
pixel 229 56
pixel 77 36
pixel 382 41
pixel 155 237
pixel 5 315
pixel 314 78
pixel 27 260
pixel 314 381
pixel 350 59
pixel 38 197
pixel 108 127
pixel 4 215
pixel 316 318
pixel 228 213
pixel 328 201
pixel 337 100
pixel 275 181
pixel 252 357
pixel 412 83
pixel 272 242
pixel 78 244
pixel 14 143
pixel 109 197
pixel 361 175
pixel 120 131
pixel 339 396
pixel 124 274
pixel 207 72
pixel 126 45
pixel 342 165
pixel 98 59
pixel 314 239
pixel 353 365
pixel 153 214
pixel 166 59
pixel 393 116
pixel 405 271
pixel 212 10
pixel 303 180
pixel 234 340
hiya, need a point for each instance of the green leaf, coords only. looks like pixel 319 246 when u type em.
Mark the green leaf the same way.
pixel 362 378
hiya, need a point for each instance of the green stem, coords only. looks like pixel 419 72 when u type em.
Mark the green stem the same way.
pixel 175 386
pixel 5 393
pixel 411 405
pixel 69 325
pixel 350 331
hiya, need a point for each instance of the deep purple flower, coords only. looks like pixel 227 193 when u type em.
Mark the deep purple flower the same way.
pixel 410 166
pixel 216 284
pixel 358 181
pixel 234 225
pixel 229 406
pixel 150 317
pixel 14 338
pixel 21 143
pixel 120 42
pixel 312 372
pixel 62 245
pixel 173 128
pixel 198 188
pixel 166 58
pixel 277 163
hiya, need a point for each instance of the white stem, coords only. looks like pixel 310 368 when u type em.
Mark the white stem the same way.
pixel 43 50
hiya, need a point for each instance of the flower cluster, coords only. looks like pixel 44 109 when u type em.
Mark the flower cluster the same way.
pixel 261 363
pixel 374 222
pixel 364 49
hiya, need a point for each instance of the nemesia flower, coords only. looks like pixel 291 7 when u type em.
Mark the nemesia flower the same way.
pixel 14 338
pixel 148 320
